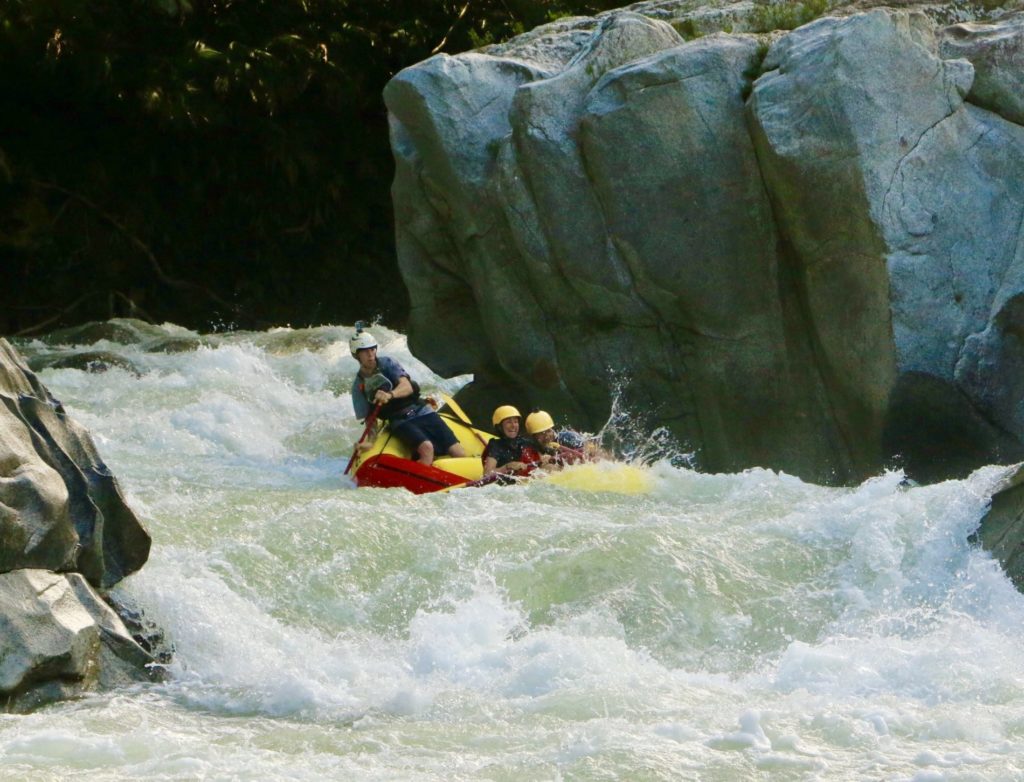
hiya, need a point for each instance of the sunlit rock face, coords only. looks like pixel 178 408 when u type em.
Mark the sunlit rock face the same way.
pixel 799 250
pixel 59 639
pixel 60 508
pixel 65 532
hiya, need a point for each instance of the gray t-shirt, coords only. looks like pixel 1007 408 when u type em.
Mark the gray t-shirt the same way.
pixel 363 388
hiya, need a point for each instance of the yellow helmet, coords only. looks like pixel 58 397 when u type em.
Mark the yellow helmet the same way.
pixel 539 421
pixel 503 412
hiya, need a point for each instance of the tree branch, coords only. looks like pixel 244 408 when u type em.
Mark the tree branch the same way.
pixel 134 310
pixel 444 40
pixel 112 221
pixel 60 314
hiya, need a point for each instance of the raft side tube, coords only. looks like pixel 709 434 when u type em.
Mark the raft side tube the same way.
pixel 389 464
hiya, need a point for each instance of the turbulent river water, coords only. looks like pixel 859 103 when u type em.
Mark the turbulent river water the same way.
pixel 709 627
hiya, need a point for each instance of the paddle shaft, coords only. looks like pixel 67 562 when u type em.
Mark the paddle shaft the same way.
pixel 467 484
pixel 371 419
pixel 461 415
pixel 574 452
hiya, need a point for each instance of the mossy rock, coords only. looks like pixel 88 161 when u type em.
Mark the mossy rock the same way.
pixel 1001 531
pixel 177 345
pixel 123 331
pixel 95 361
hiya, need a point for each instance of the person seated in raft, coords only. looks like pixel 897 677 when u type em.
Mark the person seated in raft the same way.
pixel 557 448
pixel 383 381
pixel 509 453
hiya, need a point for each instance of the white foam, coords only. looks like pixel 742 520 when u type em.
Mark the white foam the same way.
pixel 715 624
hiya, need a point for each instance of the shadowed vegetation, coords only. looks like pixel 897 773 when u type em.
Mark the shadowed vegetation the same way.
pixel 212 162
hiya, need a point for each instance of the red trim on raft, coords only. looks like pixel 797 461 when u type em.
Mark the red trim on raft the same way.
pixel 385 471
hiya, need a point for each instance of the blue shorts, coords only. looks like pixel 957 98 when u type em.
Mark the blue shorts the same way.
pixel 430 426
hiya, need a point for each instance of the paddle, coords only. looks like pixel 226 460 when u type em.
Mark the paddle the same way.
pixel 467 484
pixel 456 409
pixel 531 465
pixel 573 452
pixel 371 419
pixel 461 415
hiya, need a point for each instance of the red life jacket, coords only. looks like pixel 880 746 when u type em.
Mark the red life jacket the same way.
pixel 531 458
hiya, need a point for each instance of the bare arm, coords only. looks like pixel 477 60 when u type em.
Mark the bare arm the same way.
pixel 491 467
pixel 403 389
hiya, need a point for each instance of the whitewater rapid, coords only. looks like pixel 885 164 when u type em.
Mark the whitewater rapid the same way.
pixel 712 627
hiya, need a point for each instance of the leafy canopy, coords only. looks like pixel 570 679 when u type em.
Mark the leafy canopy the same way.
pixel 212 161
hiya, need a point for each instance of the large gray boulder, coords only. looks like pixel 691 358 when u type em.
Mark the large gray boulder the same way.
pixel 799 251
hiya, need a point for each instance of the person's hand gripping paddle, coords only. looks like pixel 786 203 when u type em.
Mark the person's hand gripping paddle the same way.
pixel 371 420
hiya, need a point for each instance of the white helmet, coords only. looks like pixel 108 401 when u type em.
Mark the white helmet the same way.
pixel 360 340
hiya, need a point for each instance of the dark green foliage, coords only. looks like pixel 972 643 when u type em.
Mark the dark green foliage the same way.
pixel 211 162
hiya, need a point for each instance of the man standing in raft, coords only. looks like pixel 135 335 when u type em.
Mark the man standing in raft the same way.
pixel 384 382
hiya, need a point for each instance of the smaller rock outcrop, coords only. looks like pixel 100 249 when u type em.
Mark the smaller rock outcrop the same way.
pixel 58 638
pixel 1001 531
pixel 66 533
pixel 996 50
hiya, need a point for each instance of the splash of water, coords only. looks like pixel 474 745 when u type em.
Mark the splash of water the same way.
pixel 707 627
pixel 626 436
